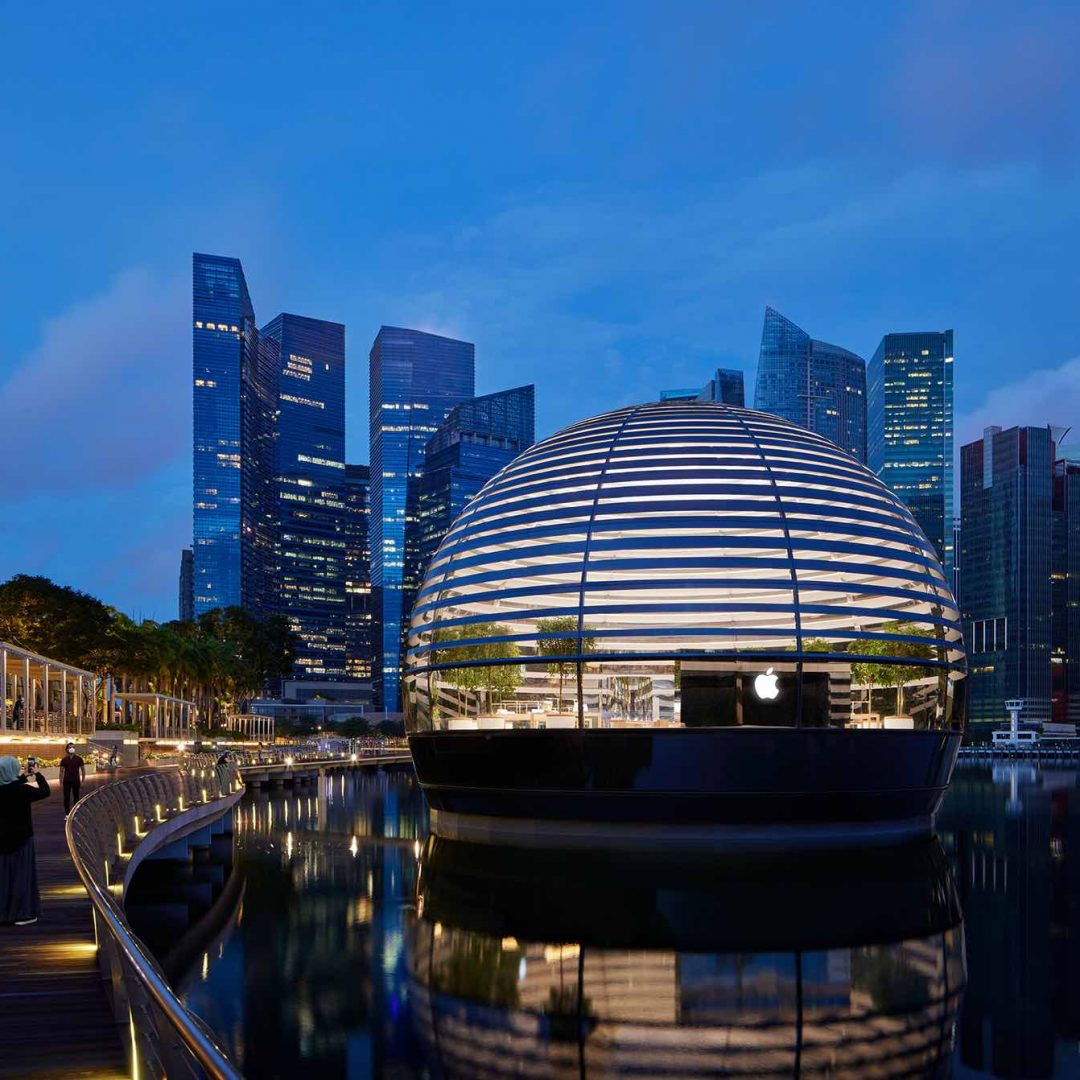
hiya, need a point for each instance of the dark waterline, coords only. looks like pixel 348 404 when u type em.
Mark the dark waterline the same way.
pixel 348 945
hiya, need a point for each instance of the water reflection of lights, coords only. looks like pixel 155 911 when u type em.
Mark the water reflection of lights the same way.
pixel 348 881
pixel 527 963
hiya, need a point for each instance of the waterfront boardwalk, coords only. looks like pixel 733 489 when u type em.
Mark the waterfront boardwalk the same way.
pixel 55 1016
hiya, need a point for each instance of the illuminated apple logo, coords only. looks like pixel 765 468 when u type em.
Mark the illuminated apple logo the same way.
pixel 765 686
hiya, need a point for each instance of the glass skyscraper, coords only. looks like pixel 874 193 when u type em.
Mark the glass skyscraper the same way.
pixel 909 415
pixel 186 606
pixel 473 443
pixel 820 386
pixel 1006 551
pixel 233 443
pixel 416 378
pixel 309 487
pixel 1065 594
pixel 358 618
pixel 726 386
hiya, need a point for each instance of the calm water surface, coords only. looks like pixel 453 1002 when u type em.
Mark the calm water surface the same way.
pixel 352 945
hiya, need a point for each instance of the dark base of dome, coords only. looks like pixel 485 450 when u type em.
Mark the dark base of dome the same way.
pixel 639 836
pixel 744 787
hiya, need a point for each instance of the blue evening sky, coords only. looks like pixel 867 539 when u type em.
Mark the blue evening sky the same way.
pixel 602 196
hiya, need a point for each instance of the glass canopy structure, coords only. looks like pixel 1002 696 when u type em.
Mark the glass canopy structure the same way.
pixel 685 565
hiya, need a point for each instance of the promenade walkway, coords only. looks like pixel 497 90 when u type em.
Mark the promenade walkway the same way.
pixel 55 1017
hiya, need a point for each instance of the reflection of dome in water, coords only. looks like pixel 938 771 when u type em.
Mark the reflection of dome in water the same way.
pixel 521 966
pixel 632 592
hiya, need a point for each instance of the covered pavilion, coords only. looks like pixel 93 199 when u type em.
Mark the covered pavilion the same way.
pixel 252 725
pixel 39 695
pixel 158 716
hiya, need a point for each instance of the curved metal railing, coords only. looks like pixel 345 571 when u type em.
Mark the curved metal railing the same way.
pixel 103 830
pixel 312 753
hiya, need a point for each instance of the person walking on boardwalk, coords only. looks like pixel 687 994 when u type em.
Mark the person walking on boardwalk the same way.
pixel 72 774
pixel 20 901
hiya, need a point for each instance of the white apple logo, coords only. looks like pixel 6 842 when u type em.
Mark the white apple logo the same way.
pixel 765 686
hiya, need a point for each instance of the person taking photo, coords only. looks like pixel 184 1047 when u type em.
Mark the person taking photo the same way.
pixel 20 900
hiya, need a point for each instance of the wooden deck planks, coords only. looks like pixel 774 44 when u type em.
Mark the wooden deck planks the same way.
pixel 55 1016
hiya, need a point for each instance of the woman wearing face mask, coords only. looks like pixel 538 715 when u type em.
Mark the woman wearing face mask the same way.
pixel 20 901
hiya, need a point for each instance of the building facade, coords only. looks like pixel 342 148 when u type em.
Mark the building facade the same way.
pixel 473 443
pixel 1065 594
pixel 235 400
pixel 909 415
pixel 416 378
pixel 1006 591
pixel 186 605
pixel 309 490
pixel 359 644
pixel 725 387
pixel 819 386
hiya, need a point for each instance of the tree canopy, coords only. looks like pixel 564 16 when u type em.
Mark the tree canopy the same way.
pixel 561 641
pixel 492 679
pixel 223 656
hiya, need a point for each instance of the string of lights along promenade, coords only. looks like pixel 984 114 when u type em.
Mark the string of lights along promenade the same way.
pixel 691 614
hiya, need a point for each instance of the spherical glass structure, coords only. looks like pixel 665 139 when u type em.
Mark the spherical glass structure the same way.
pixel 684 565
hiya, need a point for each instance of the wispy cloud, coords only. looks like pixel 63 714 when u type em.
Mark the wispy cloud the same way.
pixel 1049 395
pixel 95 442
pixel 104 399
pixel 603 300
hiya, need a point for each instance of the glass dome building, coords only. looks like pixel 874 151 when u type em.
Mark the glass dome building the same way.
pixel 687 615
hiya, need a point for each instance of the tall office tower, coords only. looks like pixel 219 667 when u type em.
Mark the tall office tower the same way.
pixel 1065 593
pixel 235 399
pixel 186 606
pixel 726 387
pixel 416 379
pixel 909 420
pixel 359 644
pixel 309 490
pixel 820 386
pixel 956 556
pixel 473 443
pixel 1006 595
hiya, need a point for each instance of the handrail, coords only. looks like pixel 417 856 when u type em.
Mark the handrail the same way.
pixel 96 822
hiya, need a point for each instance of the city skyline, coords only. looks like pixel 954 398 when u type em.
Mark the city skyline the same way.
pixel 602 219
